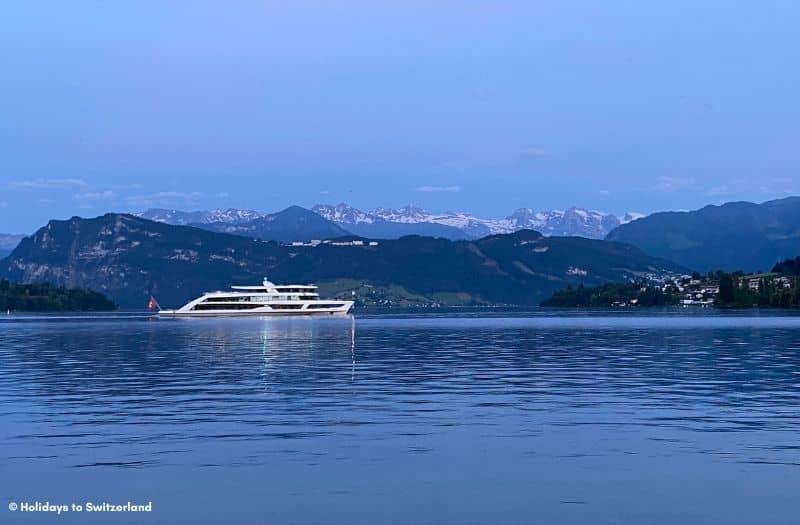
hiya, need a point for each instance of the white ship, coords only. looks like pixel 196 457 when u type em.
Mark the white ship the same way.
pixel 269 299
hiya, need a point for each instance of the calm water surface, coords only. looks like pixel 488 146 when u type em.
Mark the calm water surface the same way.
pixel 473 418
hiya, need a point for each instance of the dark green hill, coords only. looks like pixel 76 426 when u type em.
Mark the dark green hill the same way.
pixel 43 297
pixel 292 224
pixel 734 236
pixel 128 258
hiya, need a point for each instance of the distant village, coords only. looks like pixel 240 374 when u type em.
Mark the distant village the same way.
pixel 339 242
pixel 717 289
pixel 696 290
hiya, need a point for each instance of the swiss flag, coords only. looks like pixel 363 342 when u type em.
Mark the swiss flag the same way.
pixel 152 304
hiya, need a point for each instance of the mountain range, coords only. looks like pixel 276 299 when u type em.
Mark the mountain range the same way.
pixel 571 222
pixel 292 224
pixel 135 255
pixel 128 257
pixel 184 218
pixel 388 223
pixel 733 236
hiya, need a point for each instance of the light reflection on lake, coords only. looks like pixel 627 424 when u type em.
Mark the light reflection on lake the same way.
pixel 456 418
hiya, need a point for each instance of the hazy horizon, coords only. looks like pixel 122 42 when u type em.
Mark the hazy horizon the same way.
pixel 466 106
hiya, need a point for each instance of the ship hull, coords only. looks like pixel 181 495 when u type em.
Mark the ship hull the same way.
pixel 258 312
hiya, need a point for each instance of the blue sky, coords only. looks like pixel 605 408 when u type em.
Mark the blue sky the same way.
pixel 470 105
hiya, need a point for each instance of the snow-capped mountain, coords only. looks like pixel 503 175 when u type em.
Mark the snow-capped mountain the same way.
pixel 389 223
pixel 409 214
pixel 343 214
pixel 182 218
pixel 571 222
pixel 291 224
pixel 380 224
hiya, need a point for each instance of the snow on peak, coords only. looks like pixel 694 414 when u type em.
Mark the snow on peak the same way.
pixel 228 216
pixel 408 214
pixel 342 214
pixel 573 221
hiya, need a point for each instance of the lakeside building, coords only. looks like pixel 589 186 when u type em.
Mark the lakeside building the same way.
pixel 316 242
pixel 693 290
pixel 703 291
pixel 755 282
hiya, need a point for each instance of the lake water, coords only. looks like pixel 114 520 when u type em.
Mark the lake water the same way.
pixel 485 418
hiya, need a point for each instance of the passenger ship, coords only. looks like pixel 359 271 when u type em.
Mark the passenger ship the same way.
pixel 269 299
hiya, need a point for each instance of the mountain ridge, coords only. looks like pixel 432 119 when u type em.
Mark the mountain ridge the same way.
pixel 128 258
pixel 733 236
pixel 390 223
pixel 291 224
pixel 571 222
pixel 184 218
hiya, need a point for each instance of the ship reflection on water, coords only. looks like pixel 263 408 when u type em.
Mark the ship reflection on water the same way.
pixel 280 335
pixel 442 419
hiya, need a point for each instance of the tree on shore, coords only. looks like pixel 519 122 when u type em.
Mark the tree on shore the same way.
pixel 44 297
pixel 726 289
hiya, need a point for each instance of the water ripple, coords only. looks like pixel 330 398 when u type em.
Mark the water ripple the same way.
pixel 123 393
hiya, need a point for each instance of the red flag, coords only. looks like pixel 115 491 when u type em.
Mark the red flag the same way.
pixel 152 304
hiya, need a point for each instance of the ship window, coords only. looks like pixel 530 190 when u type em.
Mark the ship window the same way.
pixel 322 305
pixel 286 306
pixel 226 299
pixel 231 306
